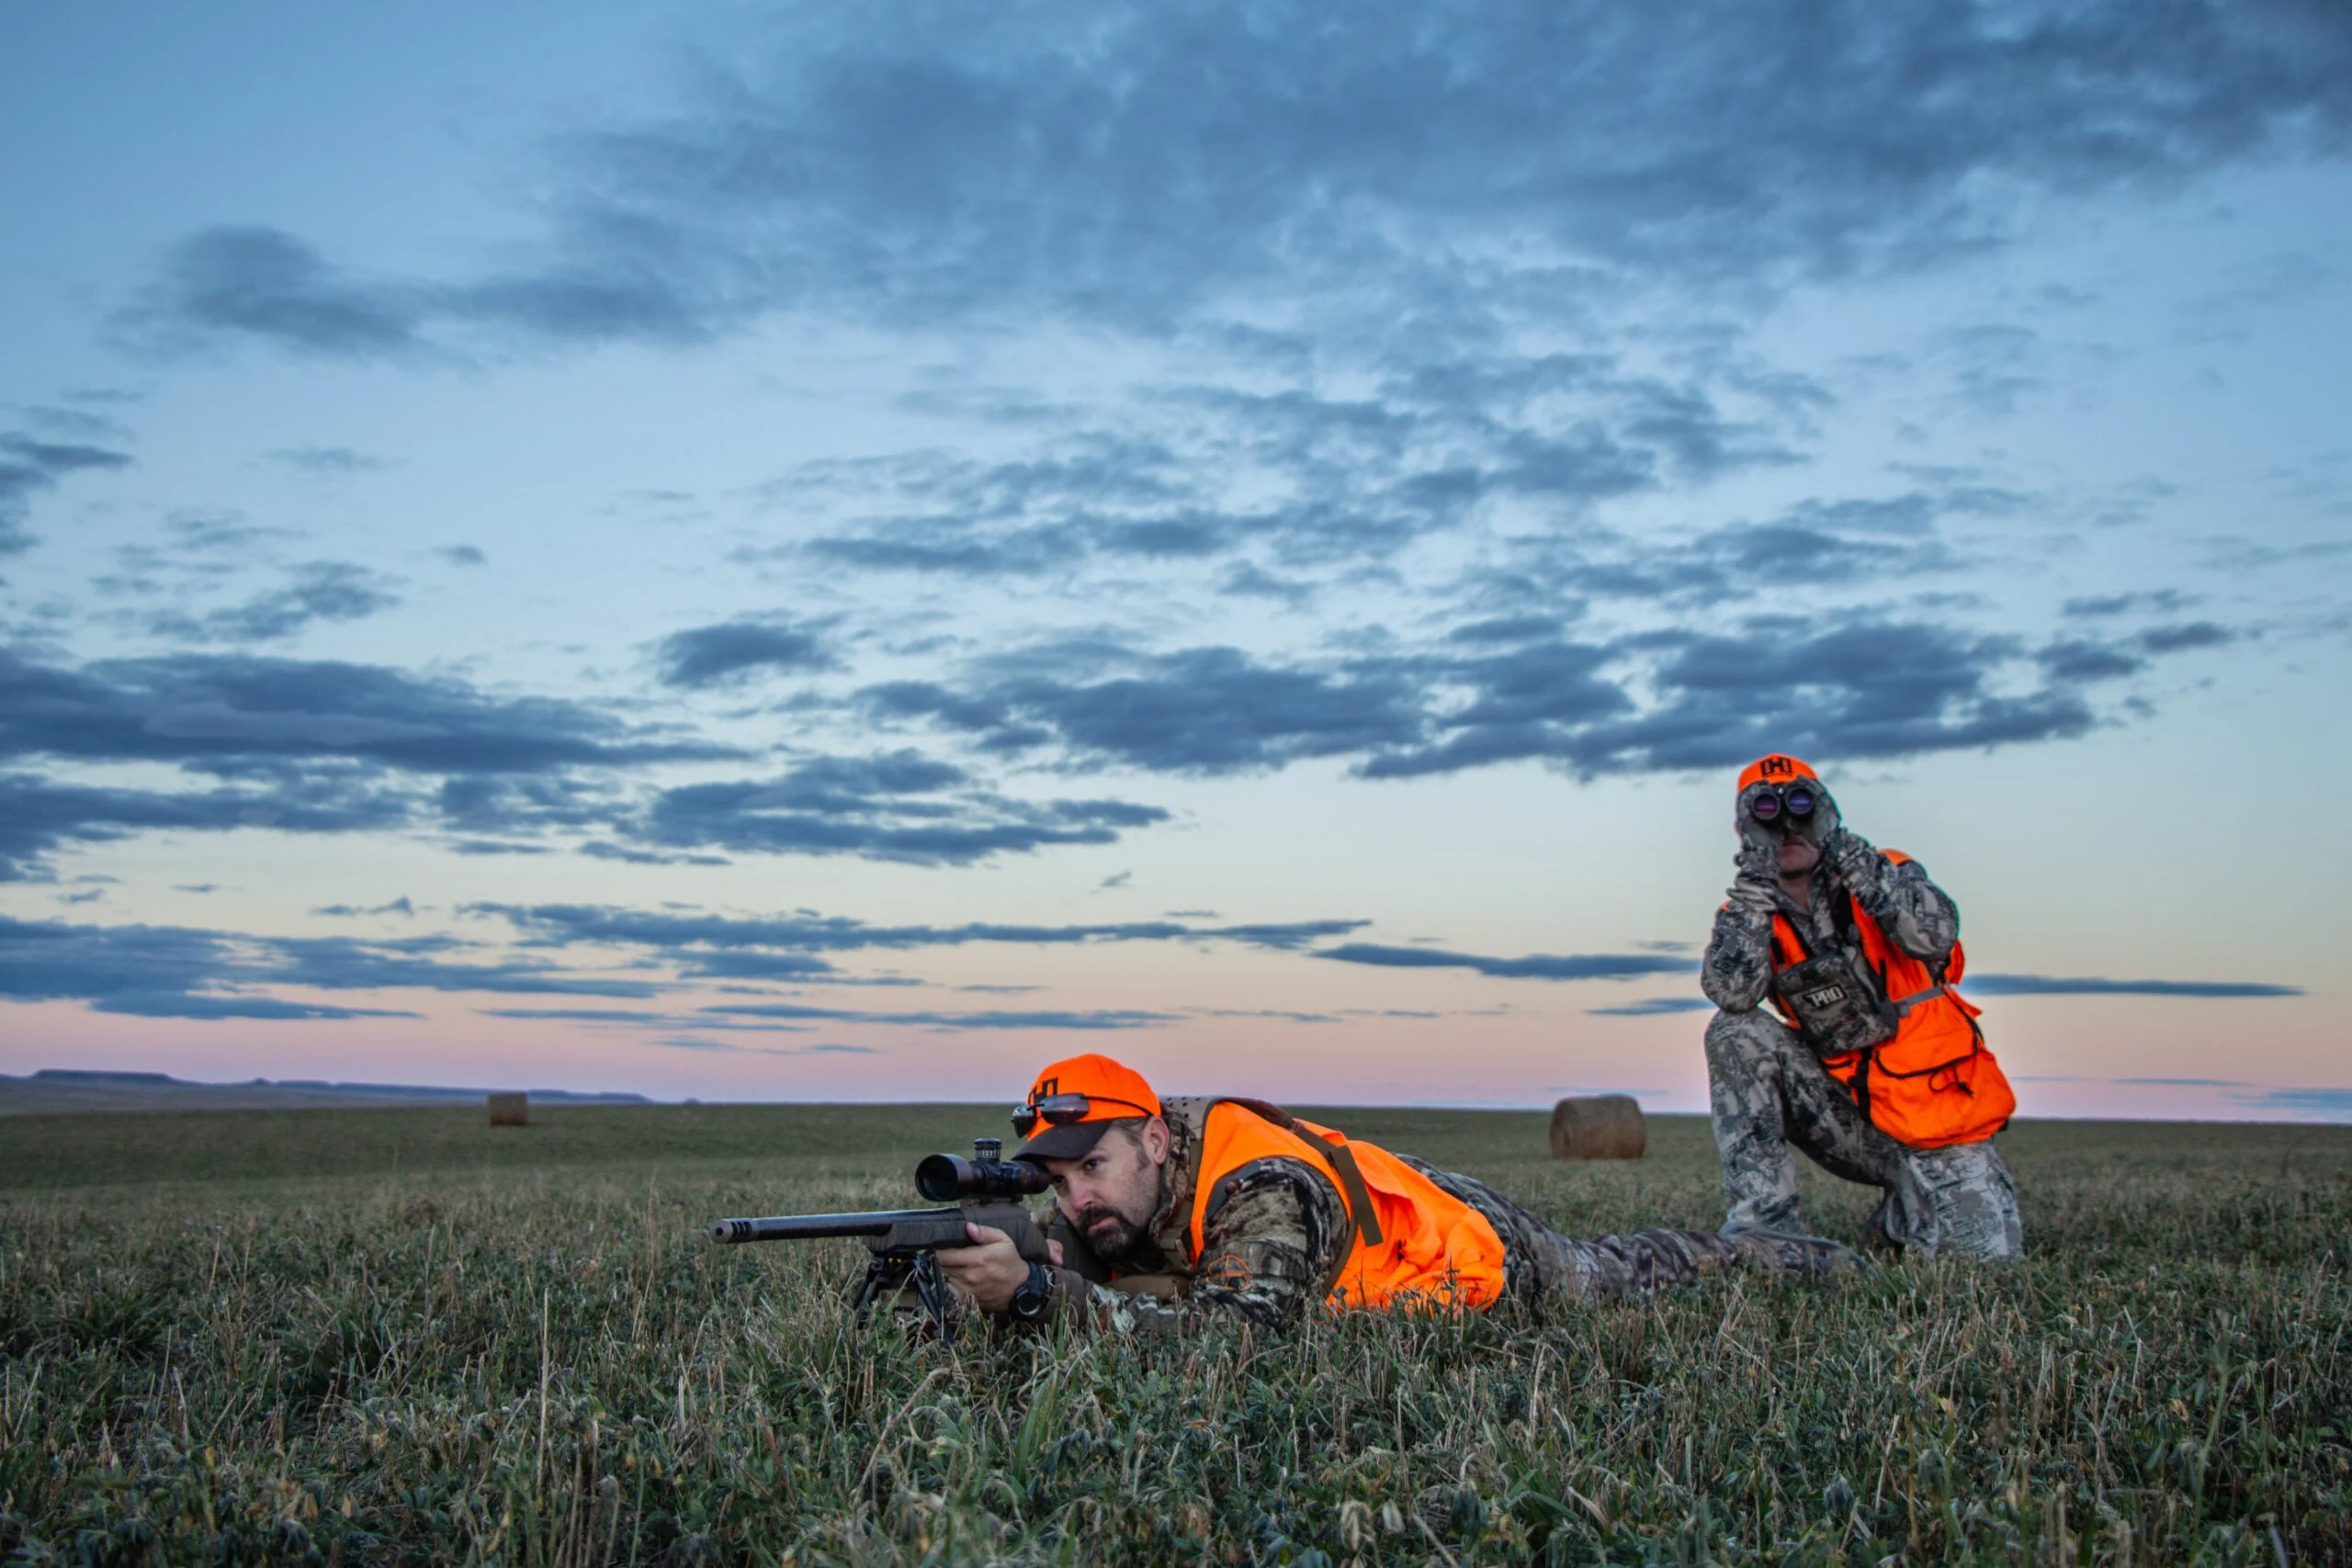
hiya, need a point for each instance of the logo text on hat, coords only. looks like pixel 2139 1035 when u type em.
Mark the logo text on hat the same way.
pixel 1770 766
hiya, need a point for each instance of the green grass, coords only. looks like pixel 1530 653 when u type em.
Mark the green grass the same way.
pixel 399 1337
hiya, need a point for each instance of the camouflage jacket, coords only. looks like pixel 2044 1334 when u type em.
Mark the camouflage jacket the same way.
pixel 1918 917
pixel 1274 1242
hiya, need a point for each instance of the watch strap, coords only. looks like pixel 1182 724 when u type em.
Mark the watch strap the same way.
pixel 1035 1299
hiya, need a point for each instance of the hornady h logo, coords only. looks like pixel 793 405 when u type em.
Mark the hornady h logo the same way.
pixel 1776 767
pixel 1045 1087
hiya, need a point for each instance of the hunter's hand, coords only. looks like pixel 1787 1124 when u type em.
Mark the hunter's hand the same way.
pixel 988 1271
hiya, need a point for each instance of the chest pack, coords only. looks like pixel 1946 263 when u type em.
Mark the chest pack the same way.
pixel 1836 1002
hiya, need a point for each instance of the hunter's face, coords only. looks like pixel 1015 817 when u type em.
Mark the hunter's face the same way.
pixel 1798 855
pixel 1110 1193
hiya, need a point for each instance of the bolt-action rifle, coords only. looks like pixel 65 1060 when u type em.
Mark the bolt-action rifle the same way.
pixel 985 1190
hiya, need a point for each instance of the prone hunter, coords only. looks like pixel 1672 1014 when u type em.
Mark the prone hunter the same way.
pixel 1194 1210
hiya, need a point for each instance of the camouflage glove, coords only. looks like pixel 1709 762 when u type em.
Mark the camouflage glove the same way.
pixel 1756 887
pixel 1755 839
pixel 1824 824
pixel 1853 857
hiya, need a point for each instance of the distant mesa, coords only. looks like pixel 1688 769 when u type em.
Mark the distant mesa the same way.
pixel 76 1075
pixel 54 1089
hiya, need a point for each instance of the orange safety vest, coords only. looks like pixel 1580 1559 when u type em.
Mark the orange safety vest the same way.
pixel 1416 1245
pixel 1934 1084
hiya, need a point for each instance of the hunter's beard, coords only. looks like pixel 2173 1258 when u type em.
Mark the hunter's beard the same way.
pixel 1121 1234
pixel 1118 1237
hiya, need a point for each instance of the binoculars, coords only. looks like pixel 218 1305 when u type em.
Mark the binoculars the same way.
pixel 1784 806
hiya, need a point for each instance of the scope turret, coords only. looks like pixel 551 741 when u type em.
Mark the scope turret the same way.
pixel 948 1179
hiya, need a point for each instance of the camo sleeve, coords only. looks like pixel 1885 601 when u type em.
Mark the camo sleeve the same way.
pixel 1738 965
pixel 1915 914
pixel 1275 1240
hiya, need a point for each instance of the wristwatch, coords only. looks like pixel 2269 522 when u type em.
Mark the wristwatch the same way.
pixel 1035 1296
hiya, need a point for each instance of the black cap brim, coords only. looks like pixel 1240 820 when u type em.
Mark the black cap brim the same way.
pixel 1067 1142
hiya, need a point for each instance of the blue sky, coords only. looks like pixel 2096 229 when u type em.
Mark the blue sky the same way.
pixel 839 552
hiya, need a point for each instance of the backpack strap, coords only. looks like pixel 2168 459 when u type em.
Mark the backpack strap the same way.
pixel 1339 1155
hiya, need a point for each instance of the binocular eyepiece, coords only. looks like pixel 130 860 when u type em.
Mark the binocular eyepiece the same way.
pixel 950 1178
pixel 1784 806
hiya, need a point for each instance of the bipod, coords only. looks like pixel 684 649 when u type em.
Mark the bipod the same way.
pixel 894 1275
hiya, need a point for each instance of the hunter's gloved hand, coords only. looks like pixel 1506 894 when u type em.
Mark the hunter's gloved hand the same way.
pixel 1754 837
pixel 1757 885
pixel 1824 824
pixel 1853 857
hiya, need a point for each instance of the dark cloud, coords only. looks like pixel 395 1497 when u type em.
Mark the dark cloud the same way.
pixel 306 746
pixel 971 162
pixel 181 971
pixel 1815 544
pixel 1867 688
pixel 1205 710
pixel 2166 601
pixel 2079 660
pixel 2180 638
pixel 693 1042
pixel 599 849
pixel 897 807
pixel 39 816
pixel 1651 1007
pixel 29 466
pixel 780 947
pixel 1534 966
pixel 2330 1104
pixel 706 655
pixel 737 964
pixel 462 555
pixel 526 803
pixel 1300 479
pixel 2052 986
pixel 400 906
pixel 321 590
pixel 584 1015
pixel 145 971
pixel 327 462
pixel 263 283
pixel 1851 685
pixel 1103 1019
pixel 207 710
pixel 346 964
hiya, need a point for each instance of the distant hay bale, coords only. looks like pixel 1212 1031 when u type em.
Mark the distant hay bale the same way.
pixel 510 1110
pixel 1599 1126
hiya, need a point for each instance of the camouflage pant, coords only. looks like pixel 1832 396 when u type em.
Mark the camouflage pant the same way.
pixel 1538 1261
pixel 1771 1098
pixel 1974 1201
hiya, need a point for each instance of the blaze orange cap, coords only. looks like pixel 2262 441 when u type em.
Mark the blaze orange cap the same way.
pixel 1777 768
pixel 1114 1092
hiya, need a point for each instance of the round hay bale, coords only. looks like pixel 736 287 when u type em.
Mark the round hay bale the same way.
pixel 1599 1126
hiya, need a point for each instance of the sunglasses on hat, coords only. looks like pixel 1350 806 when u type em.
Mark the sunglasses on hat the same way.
pixel 1061 1110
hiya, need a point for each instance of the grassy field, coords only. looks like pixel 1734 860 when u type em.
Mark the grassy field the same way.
pixel 397 1336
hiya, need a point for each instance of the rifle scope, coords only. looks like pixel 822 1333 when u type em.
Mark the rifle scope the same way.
pixel 949 1179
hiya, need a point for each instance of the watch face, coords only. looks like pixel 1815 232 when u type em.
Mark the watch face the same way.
pixel 1029 1301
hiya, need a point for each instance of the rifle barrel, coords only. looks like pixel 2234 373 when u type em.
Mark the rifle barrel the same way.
pixel 816 1228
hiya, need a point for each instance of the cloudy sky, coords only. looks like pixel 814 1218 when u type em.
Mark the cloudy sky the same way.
pixel 824 551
